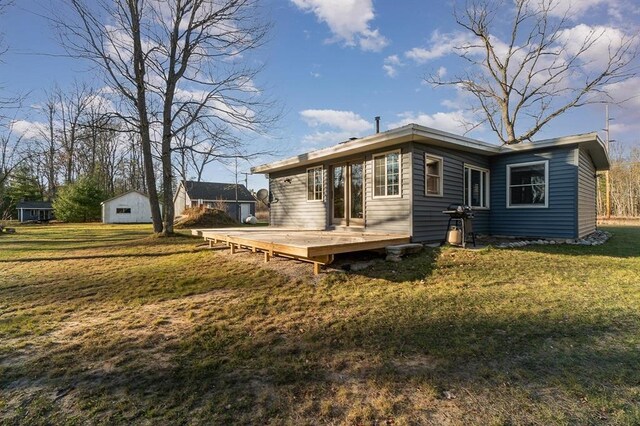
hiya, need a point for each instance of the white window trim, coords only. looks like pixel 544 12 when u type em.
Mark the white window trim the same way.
pixel 321 199
pixel 546 185
pixel 373 174
pixel 487 193
pixel 441 189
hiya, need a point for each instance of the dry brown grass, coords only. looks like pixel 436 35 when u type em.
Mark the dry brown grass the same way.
pixel 103 324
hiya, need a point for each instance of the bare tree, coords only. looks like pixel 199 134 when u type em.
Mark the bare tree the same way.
pixel 200 146
pixel 72 105
pixel 540 71
pixel 12 153
pixel 175 64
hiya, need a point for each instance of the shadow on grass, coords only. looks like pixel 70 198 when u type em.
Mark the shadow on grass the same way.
pixel 225 365
pixel 97 256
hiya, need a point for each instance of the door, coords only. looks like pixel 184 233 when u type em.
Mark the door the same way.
pixel 245 211
pixel 347 186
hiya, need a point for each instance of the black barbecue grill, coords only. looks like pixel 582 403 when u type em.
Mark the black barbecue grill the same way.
pixel 462 216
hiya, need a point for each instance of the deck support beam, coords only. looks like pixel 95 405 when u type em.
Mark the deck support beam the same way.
pixel 316 247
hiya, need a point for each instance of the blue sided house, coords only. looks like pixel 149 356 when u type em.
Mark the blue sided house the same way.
pixel 401 180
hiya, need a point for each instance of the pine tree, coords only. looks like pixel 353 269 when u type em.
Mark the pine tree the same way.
pixel 79 201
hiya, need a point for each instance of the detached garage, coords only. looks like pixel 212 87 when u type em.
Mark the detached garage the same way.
pixel 130 207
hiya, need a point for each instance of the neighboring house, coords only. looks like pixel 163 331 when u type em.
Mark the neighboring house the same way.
pixel 130 207
pixel 215 195
pixel 401 180
pixel 35 210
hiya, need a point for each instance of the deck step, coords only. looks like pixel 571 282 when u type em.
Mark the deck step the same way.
pixel 395 253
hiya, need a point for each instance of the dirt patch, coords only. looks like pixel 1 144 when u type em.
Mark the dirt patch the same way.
pixel 201 217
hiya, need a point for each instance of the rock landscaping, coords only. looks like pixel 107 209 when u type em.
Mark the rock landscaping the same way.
pixel 594 239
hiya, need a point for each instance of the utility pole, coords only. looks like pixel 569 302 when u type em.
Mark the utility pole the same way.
pixel 238 216
pixel 246 179
pixel 607 179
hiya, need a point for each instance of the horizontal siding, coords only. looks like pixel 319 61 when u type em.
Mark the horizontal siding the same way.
pixel 392 214
pixel 292 208
pixel 556 221
pixel 586 194
pixel 429 223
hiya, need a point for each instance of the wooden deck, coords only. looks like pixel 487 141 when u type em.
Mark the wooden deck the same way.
pixel 315 246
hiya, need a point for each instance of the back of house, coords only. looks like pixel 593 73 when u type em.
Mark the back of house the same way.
pixel 401 181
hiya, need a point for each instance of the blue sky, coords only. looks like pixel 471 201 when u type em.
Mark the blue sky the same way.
pixel 334 65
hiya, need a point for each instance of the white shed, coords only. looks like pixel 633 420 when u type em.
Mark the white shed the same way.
pixel 130 207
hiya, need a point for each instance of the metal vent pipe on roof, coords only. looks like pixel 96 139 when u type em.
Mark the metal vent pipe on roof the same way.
pixel 378 124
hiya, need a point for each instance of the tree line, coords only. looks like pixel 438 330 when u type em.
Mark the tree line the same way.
pixel 624 178
pixel 178 93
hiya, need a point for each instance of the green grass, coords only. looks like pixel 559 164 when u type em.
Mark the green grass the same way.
pixel 105 324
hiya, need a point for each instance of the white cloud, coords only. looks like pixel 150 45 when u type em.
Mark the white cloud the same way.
pixel 627 91
pixel 391 64
pixel 315 74
pixel 453 122
pixel 348 20
pixel 604 40
pixel 28 129
pixel 439 46
pixel 575 9
pixel 333 126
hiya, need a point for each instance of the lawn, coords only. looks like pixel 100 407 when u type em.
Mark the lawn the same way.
pixel 105 324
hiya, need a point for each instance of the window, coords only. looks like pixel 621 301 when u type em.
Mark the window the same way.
pixel 476 187
pixel 528 184
pixel 123 210
pixel 433 166
pixel 386 174
pixel 314 184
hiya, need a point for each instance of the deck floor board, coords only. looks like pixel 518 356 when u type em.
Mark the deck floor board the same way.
pixel 305 244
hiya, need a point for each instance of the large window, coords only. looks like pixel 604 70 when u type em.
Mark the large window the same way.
pixel 528 184
pixel 476 187
pixel 314 184
pixel 386 174
pixel 433 166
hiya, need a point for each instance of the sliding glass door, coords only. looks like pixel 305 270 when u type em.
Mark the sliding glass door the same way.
pixel 347 186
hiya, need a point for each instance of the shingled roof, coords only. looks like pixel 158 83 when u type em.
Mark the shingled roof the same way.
pixel 217 191
pixel 35 205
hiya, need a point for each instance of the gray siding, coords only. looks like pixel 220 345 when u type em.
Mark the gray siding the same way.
pixel 559 219
pixel 429 223
pixel 292 208
pixel 391 214
pixel 586 194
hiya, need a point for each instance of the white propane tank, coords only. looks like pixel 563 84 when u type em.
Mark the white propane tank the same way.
pixel 251 220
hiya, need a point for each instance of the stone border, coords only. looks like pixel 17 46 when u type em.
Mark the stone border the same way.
pixel 594 239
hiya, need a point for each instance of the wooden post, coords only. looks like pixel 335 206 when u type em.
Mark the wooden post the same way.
pixel 267 256
pixel 232 248
pixel 210 244
pixel 316 268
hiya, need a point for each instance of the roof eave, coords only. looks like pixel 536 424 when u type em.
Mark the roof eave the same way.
pixel 591 141
pixel 408 133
